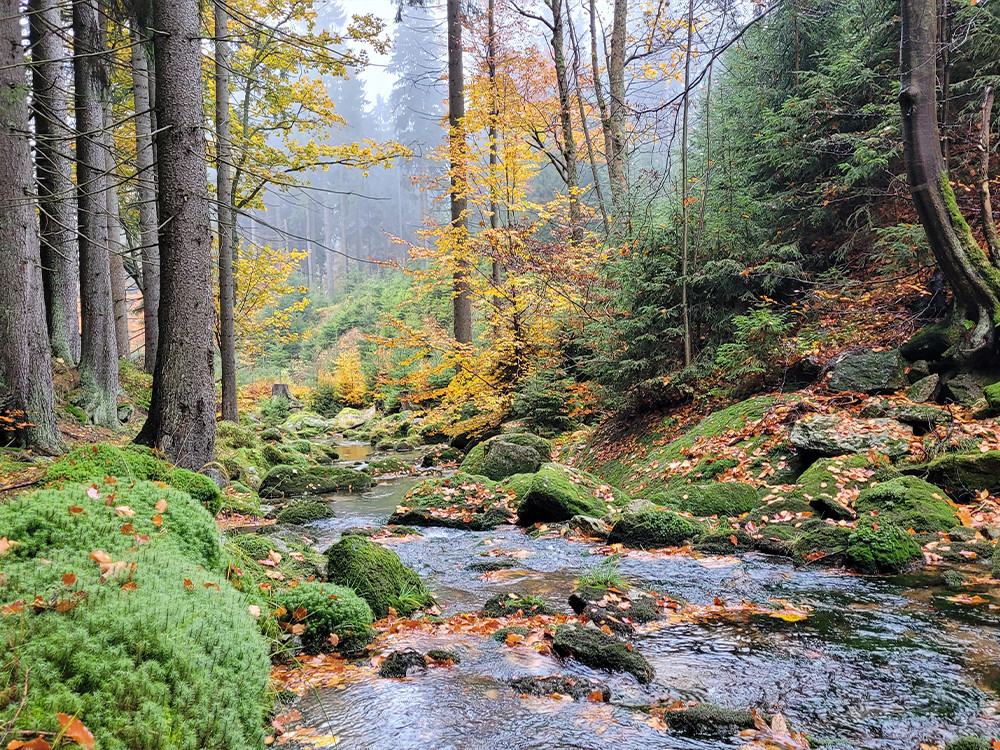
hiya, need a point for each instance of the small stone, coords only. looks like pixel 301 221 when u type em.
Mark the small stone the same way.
pixel 590 526
pixel 399 663
pixel 918 370
pixel 966 388
pixel 923 390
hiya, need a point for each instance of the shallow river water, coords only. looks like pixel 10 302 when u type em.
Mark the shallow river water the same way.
pixel 879 663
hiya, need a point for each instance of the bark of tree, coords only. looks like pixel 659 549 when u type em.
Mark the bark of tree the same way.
pixel 99 349
pixel 568 144
pixel 974 282
pixel 491 66
pixel 181 419
pixel 456 125
pixel 685 210
pixel 25 364
pixel 224 189
pixel 53 164
pixel 116 244
pixel 985 201
pixel 617 111
pixel 146 189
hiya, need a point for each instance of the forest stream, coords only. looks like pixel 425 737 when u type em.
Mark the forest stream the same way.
pixel 878 663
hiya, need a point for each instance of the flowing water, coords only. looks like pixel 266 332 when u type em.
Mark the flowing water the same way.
pixel 879 663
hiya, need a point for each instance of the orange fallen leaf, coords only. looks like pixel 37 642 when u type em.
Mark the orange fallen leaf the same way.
pixel 73 728
pixel 69 579
pixel 157 520
pixel 161 505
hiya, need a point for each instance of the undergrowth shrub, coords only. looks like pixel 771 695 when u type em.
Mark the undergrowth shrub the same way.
pixel 759 349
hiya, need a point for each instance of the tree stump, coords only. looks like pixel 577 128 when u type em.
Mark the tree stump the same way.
pixel 281 390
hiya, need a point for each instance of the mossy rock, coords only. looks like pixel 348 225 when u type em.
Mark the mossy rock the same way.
pixel 614 609
pixel 651 529
pixel 558 493
pixel 492 564
pixel 722 499
pixel 708 720
pixel 377 575
pixel 519 484
pixel 461 501
pixel 828 481
pixel 598 650
pixel 88 463
pixel 440 454
pixel 390 465
pixel 909 503
pixel 964 474
pixel 511 603
pixel 235 435
pixel 970 742
pixel 721 542
pixel 325 609
pixel 507 454
pixel 305 511
pixel 821 542
pixel 781 506
pixel 886 549
pixel 295 481
pixel 501 634
pixel 869 372
pixel 397 664
pixel 930 343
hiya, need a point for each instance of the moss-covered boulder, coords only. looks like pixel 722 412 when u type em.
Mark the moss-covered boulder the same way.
pixel 327 609
pixel 519 484
pixel 969 742
pixel 305 511
pixel 613 608
pixel 650 529
pixel 597 649
pixel 882 548
pixel 963 474
pixel 833 482
pixel 909 503
pixel 509 603
pixel 820 542
pixel 708 720
pixel 559 492
pixel 294 481
pixel 577 688
pixel 507 454
pixel 397 664
pixel 305 424
pixel 722 499
pixel 461 501
pixel 377 575
pixel 839 434
pixel 869 372
pixel 383 466
pixel 725 541
pixel 198 486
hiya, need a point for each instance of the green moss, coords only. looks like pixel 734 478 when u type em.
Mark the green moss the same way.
pixel 389 466
pixel 294 481
pixel 708 720
pixel 502 633
pixel 558 493
pixel 519 484
pixel 507 454
pixel 597 649
pixel 510 603
pixel 461 501
pixel 823 482
pixel 908 503
pixel 233 435
pixel 176 662
pixel 305 511
pixel 651 529
pixel 963 474
pixel 723 499
pixel 328 609
pixel 887 549
pixel 377 575
pixel 137 383
pixel 200 487
pixel 721 542
pixel 243 552
pixel 818 536
pixel 969 743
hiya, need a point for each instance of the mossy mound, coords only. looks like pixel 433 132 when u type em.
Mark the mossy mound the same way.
pixel 519 484
pixel 501 634
pixel 558 493
pixel 133 463
pixel 885 549
pixel 722 499
pixel 158 651
pixel 383 466
pixel 708 720
pixel 650 529
pixel 325 608
pixel 462 501
pixel 247 551
pixel 612 608
pixel 294 481
pixel 510 603
pixel 830 484
pixel 722 542
pixel 595 648
pixel 969 743
pixel 507 454
pixel 638 448
pixel 909 503
pixel 963 474
pixel 377 575
pixel 821 542
pixel 305 511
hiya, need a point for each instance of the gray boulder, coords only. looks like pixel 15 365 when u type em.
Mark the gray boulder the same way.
pixel 869 372
pixel 835 435
pixel 923 390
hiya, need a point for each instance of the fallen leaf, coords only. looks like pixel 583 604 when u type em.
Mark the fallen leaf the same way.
pixel 6 545
pixel 124 510
pixel 69 579
pixel 161 505
pixel 157 521
pixel 73 728
pixel 100 556
pixel 93 493
pixel 254 610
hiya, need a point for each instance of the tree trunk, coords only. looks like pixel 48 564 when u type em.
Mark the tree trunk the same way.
pixel 985 201
pixel 181 419
pixel 331 258
pixel 685 210
pixel 53 163
pixel 116 245
pixel 99 349
pixel 456 137
pixel 146 189
pixel 491 65
pixel 568 145
pixel 25 364
pixel 617 110
pixel 224 189
pixel 974 282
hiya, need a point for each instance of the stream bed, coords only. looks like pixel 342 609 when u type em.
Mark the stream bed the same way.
pixel 880 663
